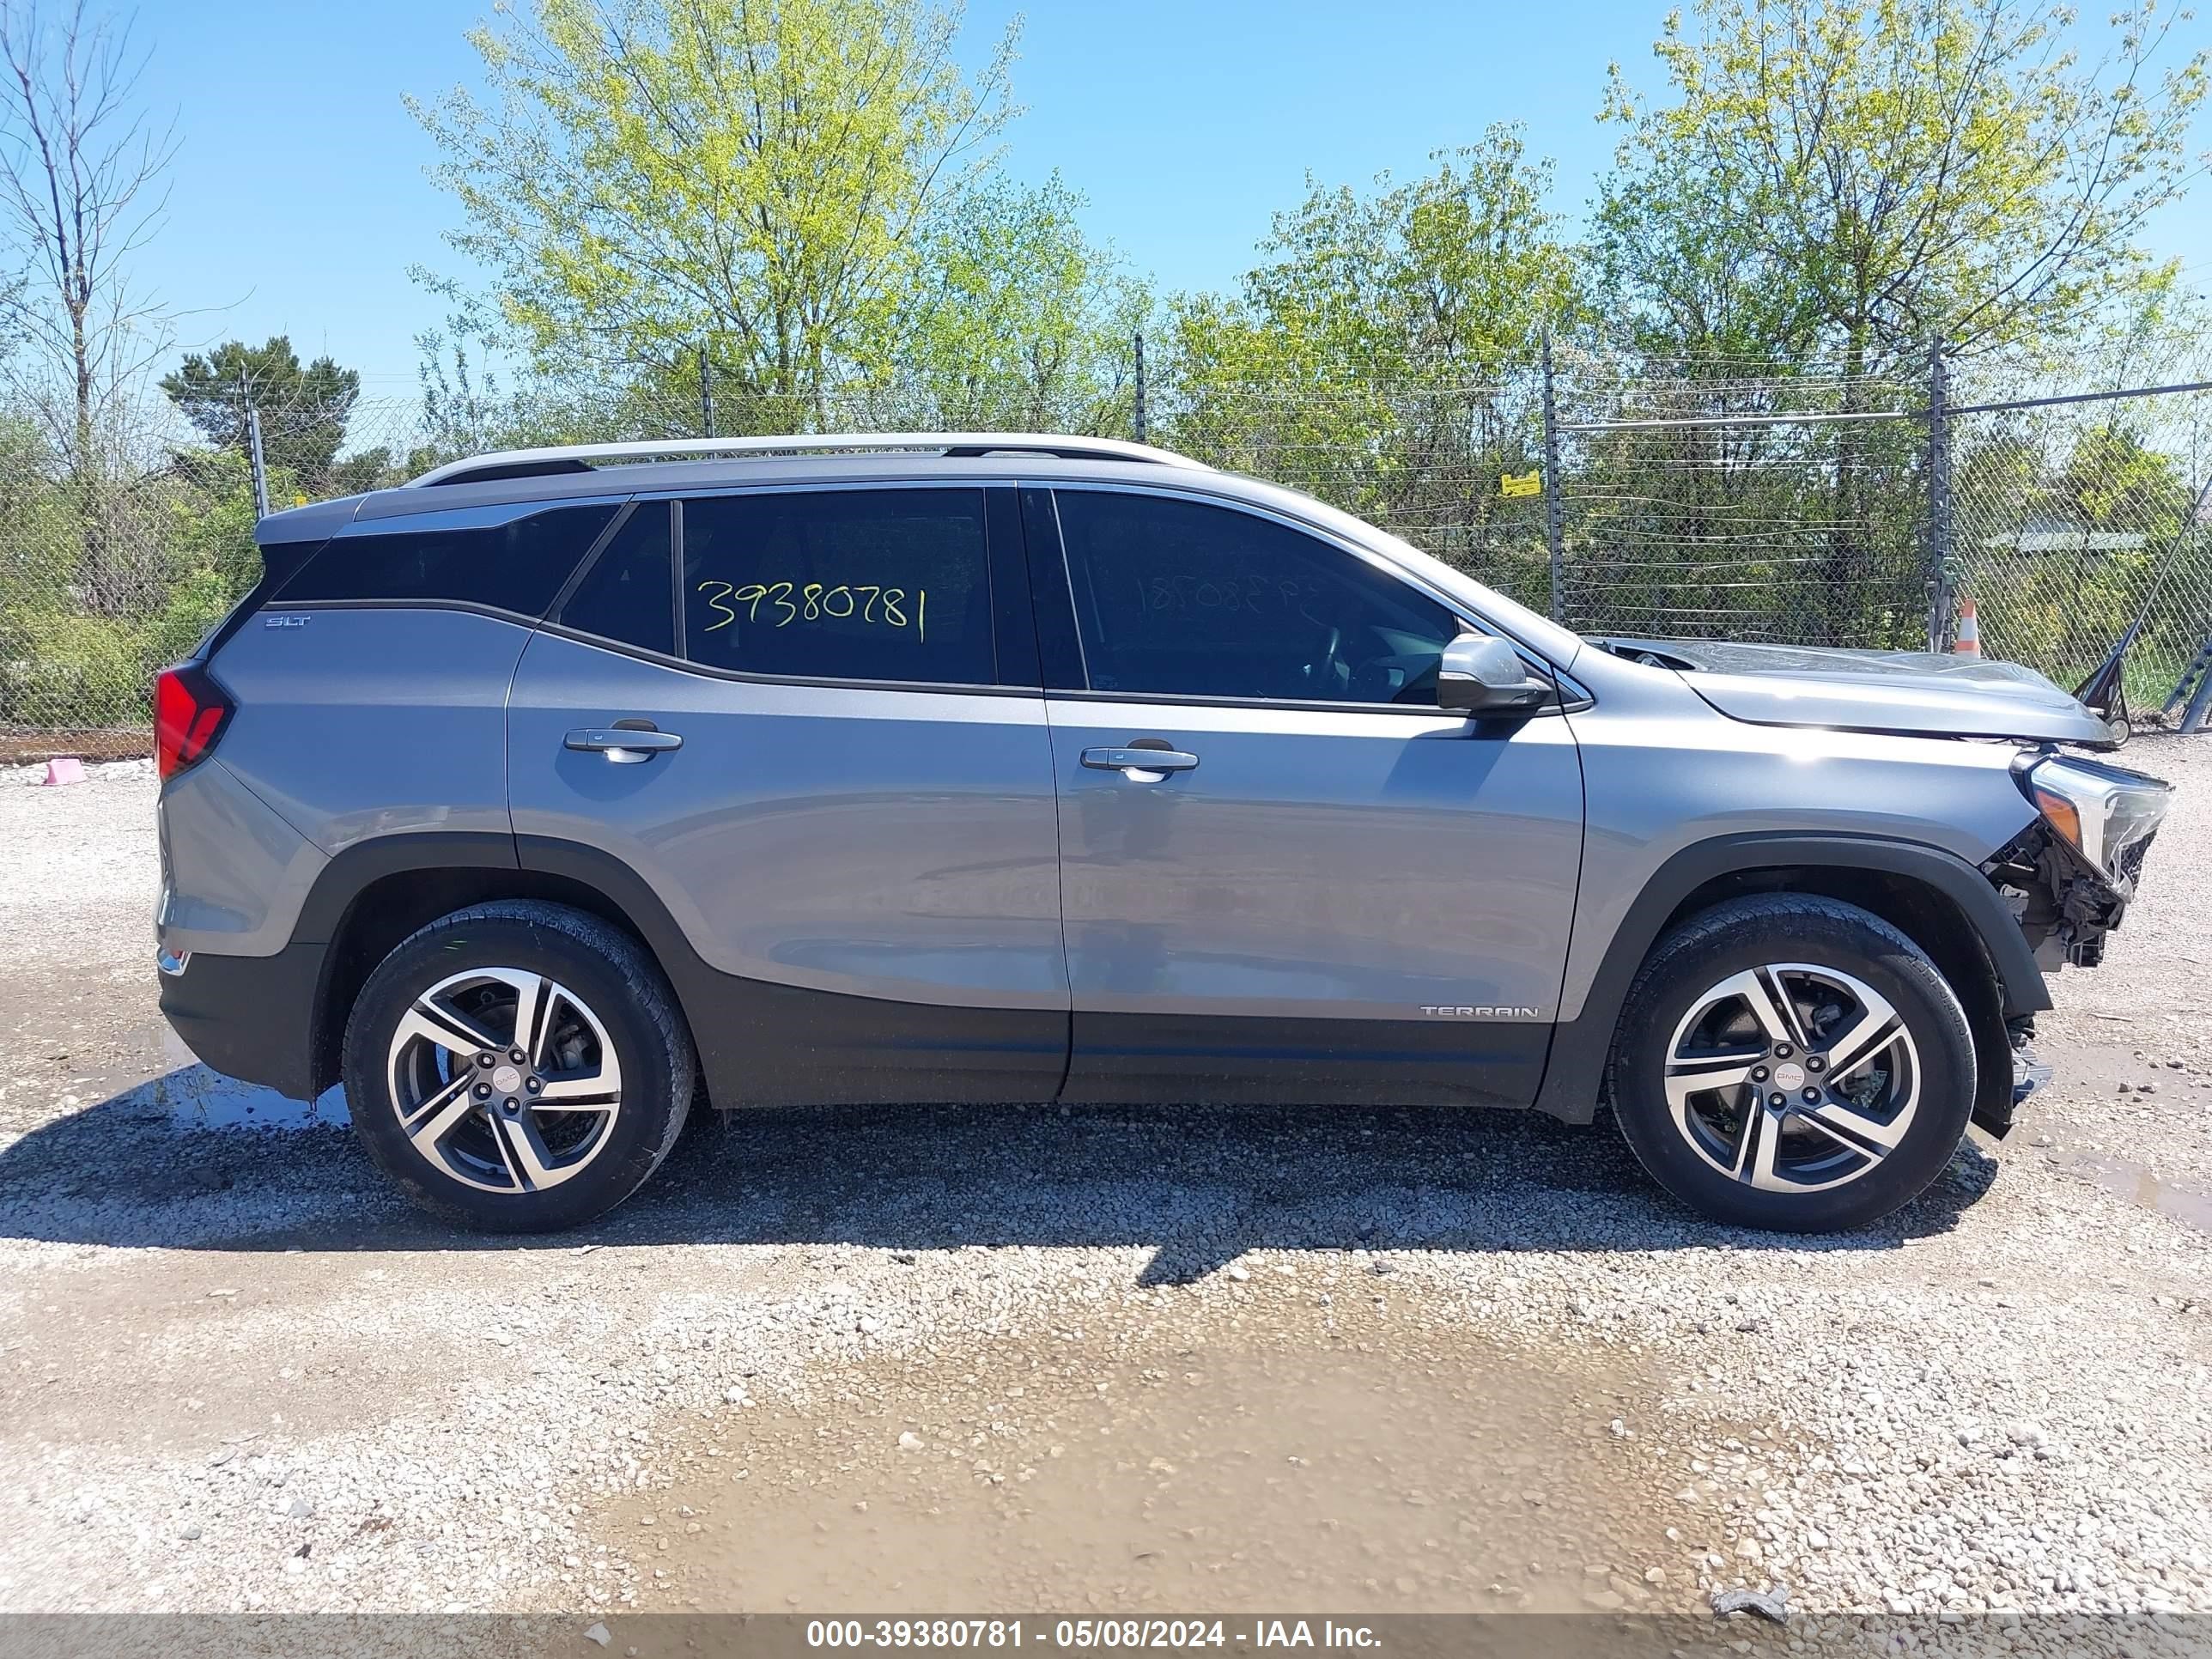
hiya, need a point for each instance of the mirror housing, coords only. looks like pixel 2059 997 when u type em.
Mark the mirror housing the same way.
pixel 1482 674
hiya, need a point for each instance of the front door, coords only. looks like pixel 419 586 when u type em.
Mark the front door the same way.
pixel 1286 874
pixel 854 831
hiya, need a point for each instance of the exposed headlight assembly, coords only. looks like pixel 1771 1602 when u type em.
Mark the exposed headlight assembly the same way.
pixel 2106 813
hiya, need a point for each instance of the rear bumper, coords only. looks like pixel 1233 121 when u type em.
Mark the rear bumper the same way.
pixel 250 1017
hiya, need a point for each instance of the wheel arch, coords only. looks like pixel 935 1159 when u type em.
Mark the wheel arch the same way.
pixel 1937 900
pixel 377 893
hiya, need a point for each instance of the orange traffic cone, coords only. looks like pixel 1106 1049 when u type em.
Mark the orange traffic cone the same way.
pixel 1969 642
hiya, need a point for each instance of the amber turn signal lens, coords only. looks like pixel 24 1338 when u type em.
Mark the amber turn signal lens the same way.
pixel 2064 817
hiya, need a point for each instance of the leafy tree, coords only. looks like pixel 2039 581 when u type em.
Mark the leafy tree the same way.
pixel 1020 322
pixel 1856 181
pixel 2068 542
pixel 1457 272
pixel 210 548
pixel 1366 356
pixel 644 176
pixel 303 411
pixel 1867 177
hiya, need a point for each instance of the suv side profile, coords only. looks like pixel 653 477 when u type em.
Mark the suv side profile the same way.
pixel 557 790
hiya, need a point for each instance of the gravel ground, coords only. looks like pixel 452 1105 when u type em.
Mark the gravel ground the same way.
pixel 1029 1358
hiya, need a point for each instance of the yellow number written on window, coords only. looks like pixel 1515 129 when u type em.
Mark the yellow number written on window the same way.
pixel 780 604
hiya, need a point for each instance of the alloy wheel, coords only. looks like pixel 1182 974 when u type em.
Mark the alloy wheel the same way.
pixel 1792 1077
pixel 504 1079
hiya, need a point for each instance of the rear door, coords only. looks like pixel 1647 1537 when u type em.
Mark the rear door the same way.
pixel 1286 873
pixel 856 837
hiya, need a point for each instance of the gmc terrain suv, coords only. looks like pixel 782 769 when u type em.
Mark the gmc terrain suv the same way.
pixel 558 788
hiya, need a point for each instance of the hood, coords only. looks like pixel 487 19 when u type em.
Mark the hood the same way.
pixel 1913 693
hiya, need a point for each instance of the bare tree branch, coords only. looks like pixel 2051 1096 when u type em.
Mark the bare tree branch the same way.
pixel 82 187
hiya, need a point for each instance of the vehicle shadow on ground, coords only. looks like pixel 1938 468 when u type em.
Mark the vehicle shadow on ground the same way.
pixel 1197 1185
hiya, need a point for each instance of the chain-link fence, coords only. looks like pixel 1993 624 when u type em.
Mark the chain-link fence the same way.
pixel 1800 504
pixel 1782 505
pixel 2068 521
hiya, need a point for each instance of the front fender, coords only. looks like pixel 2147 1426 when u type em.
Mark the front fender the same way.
pixel 1582 1046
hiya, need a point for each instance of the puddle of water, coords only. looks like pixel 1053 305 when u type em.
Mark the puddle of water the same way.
pixel 1374 1467
pixel 2140 1187
pixel 197 1098
pixel 190 1097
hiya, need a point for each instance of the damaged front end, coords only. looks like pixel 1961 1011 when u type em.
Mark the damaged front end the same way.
pixel 2070 874
pixel 2069 878
pixel 2064 904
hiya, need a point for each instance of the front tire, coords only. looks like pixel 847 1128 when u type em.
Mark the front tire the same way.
pixel 518 1066
pixel 1792 1062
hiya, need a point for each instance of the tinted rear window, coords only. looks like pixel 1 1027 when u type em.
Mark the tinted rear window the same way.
pixel 517 566
pixel 860 585
pixel 629 593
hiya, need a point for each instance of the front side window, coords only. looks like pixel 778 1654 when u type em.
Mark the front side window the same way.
pixel 856 585
pixel 518 566
pixel 1181 598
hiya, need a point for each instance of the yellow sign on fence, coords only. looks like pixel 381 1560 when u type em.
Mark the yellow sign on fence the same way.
pixel 1530 482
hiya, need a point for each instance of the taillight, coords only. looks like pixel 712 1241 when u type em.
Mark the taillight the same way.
pixel 190 710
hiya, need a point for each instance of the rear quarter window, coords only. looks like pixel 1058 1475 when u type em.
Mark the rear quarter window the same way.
pixel 516 566
pixel 629 594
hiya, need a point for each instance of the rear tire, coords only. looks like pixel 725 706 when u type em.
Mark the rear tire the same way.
pixel 1793 1063
pixel 518 1066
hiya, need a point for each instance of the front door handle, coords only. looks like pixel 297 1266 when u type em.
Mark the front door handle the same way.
pixel 621 745
pixel 1139 765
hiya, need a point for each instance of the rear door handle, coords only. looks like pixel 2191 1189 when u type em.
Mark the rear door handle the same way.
pixel 621 745
pixel 1139 765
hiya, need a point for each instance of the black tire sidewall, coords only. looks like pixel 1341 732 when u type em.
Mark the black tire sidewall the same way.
pixel 641 1130
pixel 1827 934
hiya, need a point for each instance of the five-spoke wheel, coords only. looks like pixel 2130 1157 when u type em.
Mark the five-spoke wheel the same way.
pixel 1793 1062
pixel 1792 1076
pixel 518 1067
pixel 505 1080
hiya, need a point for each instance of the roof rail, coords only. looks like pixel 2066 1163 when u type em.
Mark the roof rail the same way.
pixel 580 458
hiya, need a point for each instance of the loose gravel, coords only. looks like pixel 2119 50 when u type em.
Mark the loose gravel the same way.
pixel 235 1373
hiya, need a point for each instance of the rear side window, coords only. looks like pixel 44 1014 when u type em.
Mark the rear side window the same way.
pixel 851 585
pixel 628 594
pixel 516 566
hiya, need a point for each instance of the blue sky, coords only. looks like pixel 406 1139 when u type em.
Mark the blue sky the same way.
pixel 300 199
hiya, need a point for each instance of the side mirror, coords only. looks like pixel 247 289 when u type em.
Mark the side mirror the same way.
pixel 1482 674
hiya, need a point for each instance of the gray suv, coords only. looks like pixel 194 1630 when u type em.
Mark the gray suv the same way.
pixel 559 789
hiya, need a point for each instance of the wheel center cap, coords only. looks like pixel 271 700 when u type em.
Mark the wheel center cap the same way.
pixel 507 1080
pixel 1788 1075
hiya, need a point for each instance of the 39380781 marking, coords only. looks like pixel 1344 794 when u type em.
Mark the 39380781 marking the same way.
pixel 1066 1634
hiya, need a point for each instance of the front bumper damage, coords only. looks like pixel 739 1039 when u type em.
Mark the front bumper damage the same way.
pixel 1995 1108
pixel 2064 904
pixel 2066 907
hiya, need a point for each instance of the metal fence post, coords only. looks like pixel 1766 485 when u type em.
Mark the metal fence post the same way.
pixel 1939 499
pixel 1140 386
pixel 705 394
pixel 252 451
pixel 1553 535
